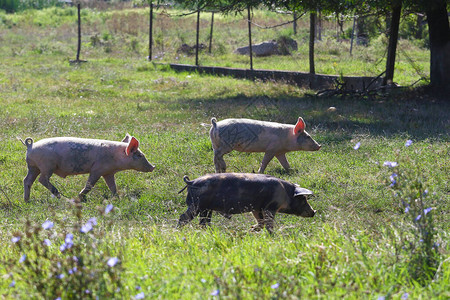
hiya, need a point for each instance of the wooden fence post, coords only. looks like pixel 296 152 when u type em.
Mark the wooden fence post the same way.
pixel 312 33
pixel 150 36
pixel 79 32
pixel 250 37
pixel 196 43
pixel 211 32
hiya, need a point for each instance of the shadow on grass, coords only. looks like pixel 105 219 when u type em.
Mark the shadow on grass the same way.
pixel 337 120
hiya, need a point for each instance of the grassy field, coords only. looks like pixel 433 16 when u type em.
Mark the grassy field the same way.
pixel 360 244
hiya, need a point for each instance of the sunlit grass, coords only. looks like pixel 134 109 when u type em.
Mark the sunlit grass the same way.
pixel 351 248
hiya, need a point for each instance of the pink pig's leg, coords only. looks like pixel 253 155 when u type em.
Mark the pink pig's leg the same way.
pixel 267 158
pixel 92 180
pixel 219 163
pixel 283 161
pixel 111 183
pixel 44 180
pixel 28 181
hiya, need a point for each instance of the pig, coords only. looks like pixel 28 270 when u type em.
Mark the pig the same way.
pixel 65 156
pixel 235 193
pixel 248 135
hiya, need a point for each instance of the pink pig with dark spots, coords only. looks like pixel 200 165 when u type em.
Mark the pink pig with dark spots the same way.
pixel 248 135
pixel 65 156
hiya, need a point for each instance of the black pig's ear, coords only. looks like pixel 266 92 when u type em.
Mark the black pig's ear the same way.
pixel 301 191
pixel 126 139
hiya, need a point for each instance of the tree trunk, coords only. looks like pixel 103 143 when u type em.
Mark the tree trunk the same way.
pixel 392 47
pixel 439 31
pixel 312 33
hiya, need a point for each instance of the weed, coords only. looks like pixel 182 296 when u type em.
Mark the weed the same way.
pixel 419 232
pixel 65 260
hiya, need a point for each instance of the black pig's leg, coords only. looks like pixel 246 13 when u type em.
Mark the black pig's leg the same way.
pixel 187 216
pixel 260 219
pixel 205 217
pixel 269 220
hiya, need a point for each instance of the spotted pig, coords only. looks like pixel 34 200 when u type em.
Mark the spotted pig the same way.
pixel 65 156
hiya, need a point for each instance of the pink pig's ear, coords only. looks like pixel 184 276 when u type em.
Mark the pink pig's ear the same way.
pixel 300 126
pixel 132 145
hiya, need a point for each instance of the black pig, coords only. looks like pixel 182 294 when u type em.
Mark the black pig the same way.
pixel 235 193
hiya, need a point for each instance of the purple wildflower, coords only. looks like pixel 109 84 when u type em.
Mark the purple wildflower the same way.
pixel 140 296
pixel 405 296
pixel 69 238
pixel 87 291
pixel 108 208
pixel 15 239
pixel 215 293
pixel 47 224
pixel 427 210
pixel 60 276
pixel 93 221
pixel 406 209
pixel 47 242
pixel 12 284
pixel 390 164
pixel 418 217
pixel 86 227
pixel 112 261
pixel 408 143
pixel 275 286
pixel 392 178
pixel 22 258
pixel 356 147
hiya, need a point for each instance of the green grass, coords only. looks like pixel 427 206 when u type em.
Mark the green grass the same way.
pixel 352 248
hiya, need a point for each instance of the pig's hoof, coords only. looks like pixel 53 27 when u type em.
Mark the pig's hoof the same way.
pixel 256 228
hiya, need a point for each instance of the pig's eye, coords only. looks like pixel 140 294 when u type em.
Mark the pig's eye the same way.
pixel 138 154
